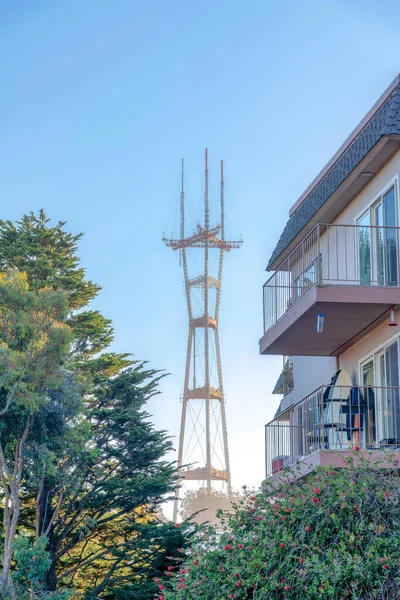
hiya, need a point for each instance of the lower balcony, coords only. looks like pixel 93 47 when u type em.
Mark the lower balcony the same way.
pixel 326 426
pixel 338 284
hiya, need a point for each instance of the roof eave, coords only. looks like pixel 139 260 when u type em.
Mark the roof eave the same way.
pixel 346 144
pixel 383 150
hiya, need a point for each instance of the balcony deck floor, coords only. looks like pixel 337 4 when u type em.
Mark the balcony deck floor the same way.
pixel 350 313
pixel 336 459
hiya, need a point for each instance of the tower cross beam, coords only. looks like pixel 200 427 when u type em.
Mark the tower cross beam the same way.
pixel 201 240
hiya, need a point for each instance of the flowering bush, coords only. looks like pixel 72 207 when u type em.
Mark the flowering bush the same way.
pixel 332 535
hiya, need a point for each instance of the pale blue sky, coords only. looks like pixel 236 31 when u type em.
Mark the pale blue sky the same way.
pixel 101 99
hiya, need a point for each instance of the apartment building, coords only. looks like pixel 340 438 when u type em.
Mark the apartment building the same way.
pixel 331 306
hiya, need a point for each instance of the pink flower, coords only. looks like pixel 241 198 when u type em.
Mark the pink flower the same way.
pixel 157 580
pixel 301 561
pixel 288 510
pixel 169 568
pixel 315 500
pixel 176 525
pixel 385 567
pixel 195 562
pixel 281 545
pixel 238 584
pixel 287 587
pixel 227 547
pixel 161 587
pixel 260 518
pixel 236 574
pixel 356 448
pixel 240 546
pixel 317 491
pixel 308 529
pixel 232 596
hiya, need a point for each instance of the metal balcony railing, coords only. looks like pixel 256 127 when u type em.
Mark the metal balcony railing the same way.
pixel 333 255
pixel 333 418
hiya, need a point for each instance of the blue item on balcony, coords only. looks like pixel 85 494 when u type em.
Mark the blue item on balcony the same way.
pixel 355 407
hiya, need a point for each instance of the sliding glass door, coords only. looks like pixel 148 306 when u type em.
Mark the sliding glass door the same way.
pixel 386 239
pixel 364 249
pixel 389 409
pixel 369 396
pixel 378 242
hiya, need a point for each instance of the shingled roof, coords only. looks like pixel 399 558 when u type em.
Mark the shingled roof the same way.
pixel 386 121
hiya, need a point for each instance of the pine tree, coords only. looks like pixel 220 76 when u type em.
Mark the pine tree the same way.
pixel 97 471
pixel 33 349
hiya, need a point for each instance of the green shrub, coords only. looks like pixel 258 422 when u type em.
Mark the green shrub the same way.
pixel 332 535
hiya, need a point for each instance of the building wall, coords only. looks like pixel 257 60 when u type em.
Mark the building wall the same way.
pixel 379 336
pixel 339 266
pixel 339 245
pixel 311 372
pixel 366 346
pixel 370 192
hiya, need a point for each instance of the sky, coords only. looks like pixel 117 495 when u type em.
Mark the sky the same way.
pixel 101 99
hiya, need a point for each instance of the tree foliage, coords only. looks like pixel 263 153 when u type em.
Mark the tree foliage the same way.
pixel 48 255
pixel 93 472
pixel 122 471
pixel 33 347
pixel 333 535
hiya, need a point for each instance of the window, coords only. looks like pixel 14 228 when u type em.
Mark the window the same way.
pixel 388 370
pixel 378 242
pixel 380 380
pixel 369 394
pixel 364 248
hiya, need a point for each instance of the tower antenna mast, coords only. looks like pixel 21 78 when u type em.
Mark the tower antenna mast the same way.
pixel 206 436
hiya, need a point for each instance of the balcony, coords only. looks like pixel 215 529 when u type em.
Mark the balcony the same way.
pixel 348 273
pixel 326 426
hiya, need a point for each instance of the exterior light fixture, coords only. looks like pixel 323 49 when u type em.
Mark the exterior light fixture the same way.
pixel 320 323
pixel 392 322
pixel 367 174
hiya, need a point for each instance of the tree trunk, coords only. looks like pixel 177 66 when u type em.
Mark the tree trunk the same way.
pixel 11 482
pixel 11 517
pixel 45 527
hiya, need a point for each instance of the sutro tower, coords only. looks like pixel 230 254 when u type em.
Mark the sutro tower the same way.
pixel 203 441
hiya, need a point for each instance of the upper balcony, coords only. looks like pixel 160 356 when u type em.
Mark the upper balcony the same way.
pixel 347 273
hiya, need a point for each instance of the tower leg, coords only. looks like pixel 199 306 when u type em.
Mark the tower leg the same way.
pixel 183 417
pixel 180 456
pixel 223 415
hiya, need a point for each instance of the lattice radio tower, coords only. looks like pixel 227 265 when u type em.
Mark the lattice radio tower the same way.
pixel 203 440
